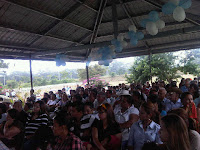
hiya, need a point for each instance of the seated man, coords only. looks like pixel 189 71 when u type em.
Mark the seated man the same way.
pixel 101 99
pixel 81 124
pixel 174 97
pixel 65 140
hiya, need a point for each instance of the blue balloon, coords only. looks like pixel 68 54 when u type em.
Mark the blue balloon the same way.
pixel 131 34
pixel 168 8
pixel 185 3
pixel 144 22
pixel 119 49
pixel 58 63
pixel 134 42
pixel 154 16
pixel 139 35
pixel 106 63
pixel 114 56
pixel 163 113
pixel 63 64
pixel 113 42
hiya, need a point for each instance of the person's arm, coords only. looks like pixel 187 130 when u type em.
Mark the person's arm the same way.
pixel 95 139
pixel 132 119
pixel 11 132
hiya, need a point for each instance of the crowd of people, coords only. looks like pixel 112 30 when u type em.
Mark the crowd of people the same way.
pixel 135 117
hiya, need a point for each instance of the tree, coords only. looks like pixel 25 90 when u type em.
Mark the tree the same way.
pixel 93 71
pixel 12 84
pixel 118 68
pixel 190 63
pixel 163 67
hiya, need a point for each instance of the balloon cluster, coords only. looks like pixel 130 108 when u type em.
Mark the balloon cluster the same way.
pixel 134 35
pixel 176 7
pixel 152 23
pixel 107 54
pixel 60 60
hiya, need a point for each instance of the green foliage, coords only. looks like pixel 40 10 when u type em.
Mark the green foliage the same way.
pixel 190 63
pixel 162 66
pixel 11 84
pixel 112 74
pixel 93 71
pixel 118 68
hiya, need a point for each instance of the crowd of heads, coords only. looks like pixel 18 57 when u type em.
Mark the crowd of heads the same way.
pixel 107 117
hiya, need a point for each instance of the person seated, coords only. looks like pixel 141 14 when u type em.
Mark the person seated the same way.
pixel 106 133
pixel 35 120
pixel 188 105
pixel 3 113
pixel 126 114
pixel 28 108
pixel 194 136
pixel 174 133
pixel 52 102
pixel 22 114
pixel 81 124
pixel 101 98
pixel 63 101
pixel 65 140
pixel 146 129
pixel 109 97
pixel 12 130
pixel 174 97
pixel 162 100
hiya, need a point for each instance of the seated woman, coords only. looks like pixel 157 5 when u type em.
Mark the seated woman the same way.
pixel 37 119
pixel 145 130
pixel 11 131
pixel 106 134
pixel 193 135
pixel 174 133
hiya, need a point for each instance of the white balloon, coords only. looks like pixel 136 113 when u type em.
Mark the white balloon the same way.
pixel 175 2
pixel 179 14
pixel 120 37
pixel 132 28
pixel 151 28
pixel 112 47
pixel 126 36
pixel 124 43
pixel 160 24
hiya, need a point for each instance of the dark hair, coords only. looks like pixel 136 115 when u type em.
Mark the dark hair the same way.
pixel 109 111
pixel 3 107
pixel 150 146
pixel 196 93
pixel 61 119
pixel 109 91
pixel 79 106
pixel 78 97
pixel 149 108
pixel 45 100
pixel 183 95
pixel 153 98
pixel 42 107
pixel 128 99
pixel 29 105
pixel 90 104
pixel 13 113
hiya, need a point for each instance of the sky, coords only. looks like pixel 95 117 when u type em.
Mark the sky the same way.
pixel 49 66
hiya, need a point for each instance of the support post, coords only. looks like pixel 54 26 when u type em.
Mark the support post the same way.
pixel 114 18
pixel 150 54
pixel 31 76
pixel 87 73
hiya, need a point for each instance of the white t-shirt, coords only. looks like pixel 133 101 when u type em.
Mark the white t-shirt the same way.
pixel 51 102
pixel 124 117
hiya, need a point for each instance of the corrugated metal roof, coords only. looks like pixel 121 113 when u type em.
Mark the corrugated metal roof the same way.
pixel 28 26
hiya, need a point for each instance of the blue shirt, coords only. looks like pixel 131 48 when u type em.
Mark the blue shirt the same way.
pixel 170 105
pixel 184 89
pixel 138 136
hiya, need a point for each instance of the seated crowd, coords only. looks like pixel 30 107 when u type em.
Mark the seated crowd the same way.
pixel 138 117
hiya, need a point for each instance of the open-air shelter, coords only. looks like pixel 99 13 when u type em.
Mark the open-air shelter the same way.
pixel 40 29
